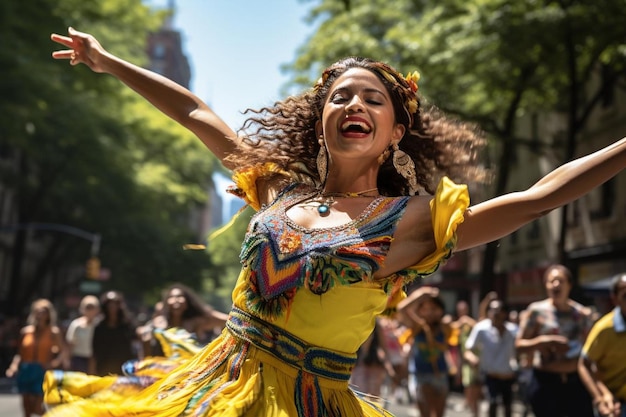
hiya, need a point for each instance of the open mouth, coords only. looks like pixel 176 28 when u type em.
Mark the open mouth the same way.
pixel 354 125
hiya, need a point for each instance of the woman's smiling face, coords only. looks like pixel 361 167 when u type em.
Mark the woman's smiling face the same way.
pixel 358 119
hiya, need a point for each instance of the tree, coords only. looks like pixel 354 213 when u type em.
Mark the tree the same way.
pixel 486 61
pixel 80 149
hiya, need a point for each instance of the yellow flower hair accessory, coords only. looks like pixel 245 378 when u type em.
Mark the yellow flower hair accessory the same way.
pixel 412 78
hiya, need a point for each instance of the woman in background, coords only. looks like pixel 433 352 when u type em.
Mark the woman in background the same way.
pixel 423 312
pixel 79 335
pixel 113 336
pixel 41 348
pixel 182 308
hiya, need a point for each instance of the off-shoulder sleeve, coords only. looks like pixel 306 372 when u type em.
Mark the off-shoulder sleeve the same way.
pixel 246 182
pixel 447 209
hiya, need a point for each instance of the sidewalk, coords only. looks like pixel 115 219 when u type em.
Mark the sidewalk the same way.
pixel 455 408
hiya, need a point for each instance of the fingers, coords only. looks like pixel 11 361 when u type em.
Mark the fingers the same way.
pixel 69 41
pixel 63 40
pixel 66 54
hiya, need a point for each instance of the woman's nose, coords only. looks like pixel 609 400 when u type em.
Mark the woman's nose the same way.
pixel 355 104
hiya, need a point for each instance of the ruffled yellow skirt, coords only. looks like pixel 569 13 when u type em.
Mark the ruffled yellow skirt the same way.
pixel 228 378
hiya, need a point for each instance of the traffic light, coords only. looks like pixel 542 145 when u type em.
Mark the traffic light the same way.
pixel 92 269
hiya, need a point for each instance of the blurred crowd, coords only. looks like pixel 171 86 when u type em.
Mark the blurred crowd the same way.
pixel 556 356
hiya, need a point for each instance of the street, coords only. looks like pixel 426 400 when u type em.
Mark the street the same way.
pixel 455 408
pixel 10 407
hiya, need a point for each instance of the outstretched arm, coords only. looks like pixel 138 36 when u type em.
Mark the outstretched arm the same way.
pixel 500 216
pixel 172 99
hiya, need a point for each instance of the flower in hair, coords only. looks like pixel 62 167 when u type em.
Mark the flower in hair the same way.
pixel 412 78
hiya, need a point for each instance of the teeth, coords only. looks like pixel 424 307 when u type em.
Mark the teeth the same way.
pixel 364 127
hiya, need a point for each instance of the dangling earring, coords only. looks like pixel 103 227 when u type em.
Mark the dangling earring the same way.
pixel 322 161
pixel 405 167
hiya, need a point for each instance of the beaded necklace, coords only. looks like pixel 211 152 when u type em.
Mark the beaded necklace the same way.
pixel 327 199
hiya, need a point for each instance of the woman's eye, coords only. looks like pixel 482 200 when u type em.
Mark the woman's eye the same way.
pixel 338 99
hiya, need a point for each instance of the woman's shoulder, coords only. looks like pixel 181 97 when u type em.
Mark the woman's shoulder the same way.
pixel 580 309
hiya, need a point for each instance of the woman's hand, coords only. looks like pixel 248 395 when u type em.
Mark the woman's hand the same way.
pixel 84 48
pixel 11 372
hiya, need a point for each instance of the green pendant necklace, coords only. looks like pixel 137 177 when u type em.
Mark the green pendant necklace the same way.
pixel 327 199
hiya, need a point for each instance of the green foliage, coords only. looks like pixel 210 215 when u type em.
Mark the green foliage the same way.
pixel 481 59
pixel 82 150
pixel 224 249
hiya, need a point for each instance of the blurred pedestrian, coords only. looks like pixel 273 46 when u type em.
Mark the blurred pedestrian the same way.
pixel 183 308
pixel 602 365
pixel 470 377
pixel 79 335
pixel 553 331
pixel 372 364
pixel 423 312
pixel 41 348
pixel 490 347
pixel 113 336
pixel 398 356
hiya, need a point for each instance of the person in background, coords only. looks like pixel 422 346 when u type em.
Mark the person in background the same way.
pixel 470 377
pixel 554 330
pixel 184 309
pixel 524 371
pixel 398 355
pixel 514 317
pixel 372 364
pixel 79 335
pixel 41 348
pixel 112 342
pixel 490 347
pixel 423 312
pixel 602 365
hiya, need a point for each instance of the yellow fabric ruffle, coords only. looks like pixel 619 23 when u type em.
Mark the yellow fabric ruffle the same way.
pixel 245 181
pixel 260 390
pixel 447 209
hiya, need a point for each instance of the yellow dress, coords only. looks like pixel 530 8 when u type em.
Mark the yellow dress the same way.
pixel 303 304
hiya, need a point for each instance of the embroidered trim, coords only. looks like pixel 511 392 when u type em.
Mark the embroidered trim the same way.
pixel 290 349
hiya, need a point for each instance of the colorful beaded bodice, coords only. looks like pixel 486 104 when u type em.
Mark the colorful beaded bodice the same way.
pixel 282 257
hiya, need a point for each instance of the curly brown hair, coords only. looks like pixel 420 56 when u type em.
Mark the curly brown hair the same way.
pixel 285 134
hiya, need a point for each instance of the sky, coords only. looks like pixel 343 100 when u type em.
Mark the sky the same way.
pixel 235 49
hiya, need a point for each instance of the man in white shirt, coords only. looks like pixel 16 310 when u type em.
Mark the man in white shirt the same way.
pixel 494 338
